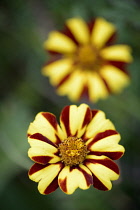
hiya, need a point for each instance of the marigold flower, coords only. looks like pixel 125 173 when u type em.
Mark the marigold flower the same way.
pixel 84 61
pixel 76 153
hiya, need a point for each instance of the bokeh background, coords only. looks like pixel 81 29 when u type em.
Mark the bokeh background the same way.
pixel 24 26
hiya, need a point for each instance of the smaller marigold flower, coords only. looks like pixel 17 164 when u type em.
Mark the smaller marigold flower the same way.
pixel 77 153
pixel 84 61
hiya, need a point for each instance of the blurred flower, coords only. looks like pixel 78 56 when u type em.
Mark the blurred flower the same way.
pixel 84 63
pixel 78 153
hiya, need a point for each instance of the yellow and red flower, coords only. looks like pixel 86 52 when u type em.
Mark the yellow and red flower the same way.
pixel 84 62
pixel 77 153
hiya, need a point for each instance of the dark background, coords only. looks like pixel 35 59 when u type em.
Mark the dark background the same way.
pixel 24 26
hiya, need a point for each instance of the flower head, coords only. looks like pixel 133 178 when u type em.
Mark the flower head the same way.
pixel 77 153
pixel 84 61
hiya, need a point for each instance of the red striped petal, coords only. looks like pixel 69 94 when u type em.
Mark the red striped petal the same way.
pixel 65 119
pixel 106 83
pixel 104 170
pixel 64 80
pixel 98 184
pixel 88 177
pixel 94 112
pixel 68 33
pixel 112 155
pixel 36 167
pixel 40 137
pixel 46 124
pixel 87 117
pixel 63 183
pixel 70 178
pixel 74 120
pixel 42 159
pixel 106 162
pixel 120 65
pixel 52 187
pixel 51 119
pixel 101 135
pixel 46 175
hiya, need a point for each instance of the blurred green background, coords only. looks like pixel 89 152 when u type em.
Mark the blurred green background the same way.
pixel 24 26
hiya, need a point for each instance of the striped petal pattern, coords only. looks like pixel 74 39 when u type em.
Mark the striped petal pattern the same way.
pixel 71 178
pixel 101 32
pixel 104 170
pixel 118 80
pixel 97 87
pixel 43 122
pixel 42 150
pixel 74 120
pixel 88 60
pixel 46 175
pixel 89 144
pixel 106 143
pixel 58 70
pixel 99 123
pixel 79 29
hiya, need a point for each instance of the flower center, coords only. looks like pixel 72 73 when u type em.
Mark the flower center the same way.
pixel 72 151
pixel 88 58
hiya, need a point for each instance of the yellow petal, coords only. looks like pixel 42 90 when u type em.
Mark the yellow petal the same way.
pixel 40 141
pixel 75 119
pixel 117 53
pixel 84 116
pixel 97 88
pixel 45 175
pixel 41 151
pixel 98 124
pixel 59 42
pixel 73 86
pixel 70 179
pixel 57 70
pixel 79 29
pixel 45 123
pixel 104 170
pixel 41 156
pixel 115 78
pixel 107 143
pixel 102 31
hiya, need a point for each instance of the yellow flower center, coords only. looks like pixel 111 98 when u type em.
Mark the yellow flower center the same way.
pixel 88 58
pixel 72 151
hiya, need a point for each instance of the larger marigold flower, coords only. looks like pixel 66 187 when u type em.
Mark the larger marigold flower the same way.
pixel 78 153
pixel 84 62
